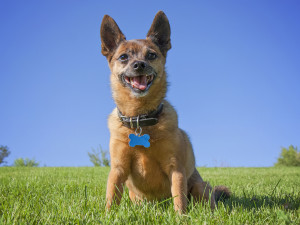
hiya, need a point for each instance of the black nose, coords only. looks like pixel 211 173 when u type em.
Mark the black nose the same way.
pixel 139 65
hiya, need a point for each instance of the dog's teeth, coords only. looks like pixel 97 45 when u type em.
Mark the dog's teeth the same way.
pixel 149 77
pixel 131 81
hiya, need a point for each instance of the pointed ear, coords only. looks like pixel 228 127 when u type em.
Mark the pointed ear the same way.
pixel 111 35
pixel 160 32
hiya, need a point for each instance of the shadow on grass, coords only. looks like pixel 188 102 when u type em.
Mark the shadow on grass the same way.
pixel 283 201
pixel 287 202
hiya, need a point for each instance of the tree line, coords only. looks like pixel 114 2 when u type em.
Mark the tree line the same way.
pixel 4 152
pixel 98 157
pixel 288 157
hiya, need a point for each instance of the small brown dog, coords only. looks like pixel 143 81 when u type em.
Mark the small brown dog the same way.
pixel 138 81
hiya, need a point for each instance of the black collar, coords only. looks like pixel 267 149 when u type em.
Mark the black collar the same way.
pixel 143 120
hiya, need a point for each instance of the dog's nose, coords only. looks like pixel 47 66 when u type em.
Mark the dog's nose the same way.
pixel 139 65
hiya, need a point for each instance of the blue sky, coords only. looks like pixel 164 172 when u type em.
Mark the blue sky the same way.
pixel 233 70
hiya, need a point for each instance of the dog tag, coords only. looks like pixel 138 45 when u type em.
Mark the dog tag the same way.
pixel 139 140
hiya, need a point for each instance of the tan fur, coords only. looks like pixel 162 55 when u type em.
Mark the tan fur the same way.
pixel 167 168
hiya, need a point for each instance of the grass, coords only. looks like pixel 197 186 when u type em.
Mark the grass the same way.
pixel 77 196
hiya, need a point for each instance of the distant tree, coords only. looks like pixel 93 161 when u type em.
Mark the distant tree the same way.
pixel 289 157
pixel 20 162
pixel 4 152
pixel 95 157
pixel 99 157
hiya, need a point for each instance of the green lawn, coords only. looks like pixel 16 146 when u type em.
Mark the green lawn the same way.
pixel 77 196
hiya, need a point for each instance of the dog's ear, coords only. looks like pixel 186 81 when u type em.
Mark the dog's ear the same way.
pixel 111 36
pixel 160 32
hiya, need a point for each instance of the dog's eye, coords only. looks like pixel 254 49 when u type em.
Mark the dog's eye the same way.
pixel 151 56
pixel 123 58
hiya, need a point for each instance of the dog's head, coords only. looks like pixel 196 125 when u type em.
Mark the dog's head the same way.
pixel 137 66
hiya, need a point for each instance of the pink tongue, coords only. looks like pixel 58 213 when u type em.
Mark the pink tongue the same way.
pixel 140 82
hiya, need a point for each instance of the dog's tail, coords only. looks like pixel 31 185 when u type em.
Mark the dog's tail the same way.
pixel 221 193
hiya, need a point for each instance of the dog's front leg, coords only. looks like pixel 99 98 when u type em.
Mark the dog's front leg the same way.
pixel 115 183
pixel 179 189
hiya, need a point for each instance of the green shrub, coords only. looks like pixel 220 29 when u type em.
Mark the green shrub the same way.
pixel 99 157
pixel 289 157
pixel 20 162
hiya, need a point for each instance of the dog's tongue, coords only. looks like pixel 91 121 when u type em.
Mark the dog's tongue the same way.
pixel 139 82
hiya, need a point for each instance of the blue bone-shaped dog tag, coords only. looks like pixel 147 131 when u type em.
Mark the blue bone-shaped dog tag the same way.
pixel 139 140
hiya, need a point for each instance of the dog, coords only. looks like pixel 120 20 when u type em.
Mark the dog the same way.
pixel 162 165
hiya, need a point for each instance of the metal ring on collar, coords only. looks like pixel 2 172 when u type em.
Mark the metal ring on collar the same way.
pixel 131 124
pixel 140 128
pixel 137 121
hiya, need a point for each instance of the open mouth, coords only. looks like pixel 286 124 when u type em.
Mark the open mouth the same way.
pixel 139 83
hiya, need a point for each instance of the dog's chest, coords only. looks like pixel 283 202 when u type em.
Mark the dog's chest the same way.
pixel 145 165
pixel 149 172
